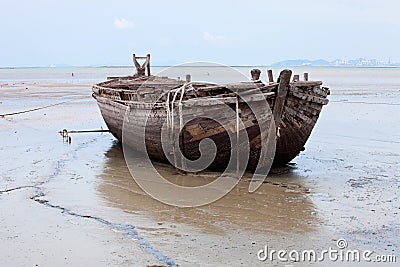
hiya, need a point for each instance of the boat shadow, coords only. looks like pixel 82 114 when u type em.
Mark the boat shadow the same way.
pixel 281 204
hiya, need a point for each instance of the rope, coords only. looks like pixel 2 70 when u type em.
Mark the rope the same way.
pixel 368 103
pixel 128 109
pixel 172 128
pixel 183 162
pixel 237 135
pixel 170 121
pixel 34 109
pixel 170 117
pixel 168 113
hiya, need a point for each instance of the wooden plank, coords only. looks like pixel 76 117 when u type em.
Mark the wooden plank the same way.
pixel 309 83
pixel 243 86
pixel 321 91
pixel 148 65
pixel 283 89
pixel 270 76
pixel 311 98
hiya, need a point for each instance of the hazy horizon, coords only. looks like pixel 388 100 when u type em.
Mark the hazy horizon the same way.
pixel 235 33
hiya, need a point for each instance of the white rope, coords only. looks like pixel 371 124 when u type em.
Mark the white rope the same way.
pixel 183 162
pixel 237 135
pixel 170 121
pixel 128 108
pixel 170 116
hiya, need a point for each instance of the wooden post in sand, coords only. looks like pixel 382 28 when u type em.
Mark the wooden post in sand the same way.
pixel 306 76
pixel 270 76
pixel 296 78
pixel 188 78
pixel 281 93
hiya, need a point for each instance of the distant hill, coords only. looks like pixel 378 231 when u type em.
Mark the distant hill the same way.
pixel 301 62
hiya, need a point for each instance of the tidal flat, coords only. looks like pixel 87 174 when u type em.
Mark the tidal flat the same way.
pixel 76 204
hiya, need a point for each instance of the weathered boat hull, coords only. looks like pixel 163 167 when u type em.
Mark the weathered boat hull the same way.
pixel 301 110
pixel 299 118
pixel 191 136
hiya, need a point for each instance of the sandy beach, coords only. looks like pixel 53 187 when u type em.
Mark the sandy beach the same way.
pixel 77 205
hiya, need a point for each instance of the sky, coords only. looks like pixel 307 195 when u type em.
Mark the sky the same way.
pixel 93 33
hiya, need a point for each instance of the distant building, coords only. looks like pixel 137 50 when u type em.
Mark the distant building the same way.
pixel 360 62
pixel 340 62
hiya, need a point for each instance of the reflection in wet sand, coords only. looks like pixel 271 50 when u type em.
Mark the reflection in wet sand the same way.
pixel 279 205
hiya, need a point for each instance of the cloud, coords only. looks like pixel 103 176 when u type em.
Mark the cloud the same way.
pixel 123 23
pixel 213 37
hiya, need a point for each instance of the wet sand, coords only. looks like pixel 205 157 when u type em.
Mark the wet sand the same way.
pixel 76 204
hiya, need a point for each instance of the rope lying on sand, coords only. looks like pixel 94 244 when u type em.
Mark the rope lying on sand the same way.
pixel 368 103
pixel 34 109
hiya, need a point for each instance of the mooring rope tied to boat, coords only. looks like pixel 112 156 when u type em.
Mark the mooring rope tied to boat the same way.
pixel 35 109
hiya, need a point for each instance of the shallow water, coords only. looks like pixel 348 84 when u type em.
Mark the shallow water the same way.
pixel 344 185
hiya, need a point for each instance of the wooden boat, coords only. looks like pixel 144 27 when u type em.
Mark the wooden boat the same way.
pixel 295 107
